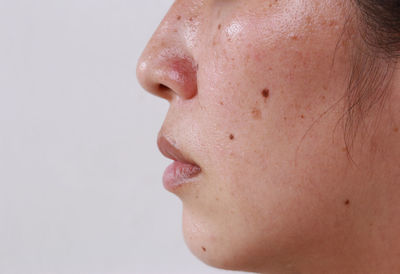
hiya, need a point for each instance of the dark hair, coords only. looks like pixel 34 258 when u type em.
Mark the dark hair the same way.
pixel 381 25
pixel 374 59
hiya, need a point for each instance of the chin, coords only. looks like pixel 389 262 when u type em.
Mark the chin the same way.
pixel 222 248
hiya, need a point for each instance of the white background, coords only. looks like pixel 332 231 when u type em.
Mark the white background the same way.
pixel 80 173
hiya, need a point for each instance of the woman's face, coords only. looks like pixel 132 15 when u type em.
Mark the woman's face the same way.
pixel 255 89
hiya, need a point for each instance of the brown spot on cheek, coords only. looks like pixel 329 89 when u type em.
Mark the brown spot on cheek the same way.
pixel 256 113
pixel 178 17
pixel 396 129
pixel 219 26
pixel 204 249
pixel 231 137
pixel 347 202
pixel 265 93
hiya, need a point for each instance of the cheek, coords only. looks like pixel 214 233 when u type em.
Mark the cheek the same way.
pixel 280 77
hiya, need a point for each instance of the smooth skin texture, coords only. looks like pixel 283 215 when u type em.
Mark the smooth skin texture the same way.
pixel 256 100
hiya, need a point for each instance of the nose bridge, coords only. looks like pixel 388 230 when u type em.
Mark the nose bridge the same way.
pixel 167 67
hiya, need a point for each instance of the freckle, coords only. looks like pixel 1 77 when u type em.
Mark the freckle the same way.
pixel 197 196
pixel 294 37
pixel 219 26
pixel 204 249
pixel 256 113
pixel 217 199
pixel 347 202
pixel 302 116
pixel 285 118
pixel 344 149
pixel 221 103
pixel 323 97
pixel 231 137
pixel 265 93
pixel 191 19
pixel 396 129
pixel 178 17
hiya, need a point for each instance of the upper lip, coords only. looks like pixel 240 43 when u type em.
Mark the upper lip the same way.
pixel 171 151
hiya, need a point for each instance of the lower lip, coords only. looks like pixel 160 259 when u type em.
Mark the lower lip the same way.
pixel 178 174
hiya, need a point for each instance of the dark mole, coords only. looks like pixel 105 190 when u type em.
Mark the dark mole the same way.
pixel 204 249
pixel 265 93
pixel 302 116
pixel 231 137
pixel 219 26
pixel 396 129
pixel 347 202
pixel 178 17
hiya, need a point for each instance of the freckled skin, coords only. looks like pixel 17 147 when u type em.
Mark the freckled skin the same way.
pixel 276 160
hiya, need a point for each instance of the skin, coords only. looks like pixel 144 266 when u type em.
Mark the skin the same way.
pixel 256 100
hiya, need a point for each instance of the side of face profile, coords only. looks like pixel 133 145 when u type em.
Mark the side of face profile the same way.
pixel 271 177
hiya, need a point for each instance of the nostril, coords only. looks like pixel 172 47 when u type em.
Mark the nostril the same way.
pixel 162 88
pixel 164 91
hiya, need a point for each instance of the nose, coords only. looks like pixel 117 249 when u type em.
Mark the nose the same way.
pixel 167 67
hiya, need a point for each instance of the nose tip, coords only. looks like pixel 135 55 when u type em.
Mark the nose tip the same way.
pixel 167 74
pixel 146 77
